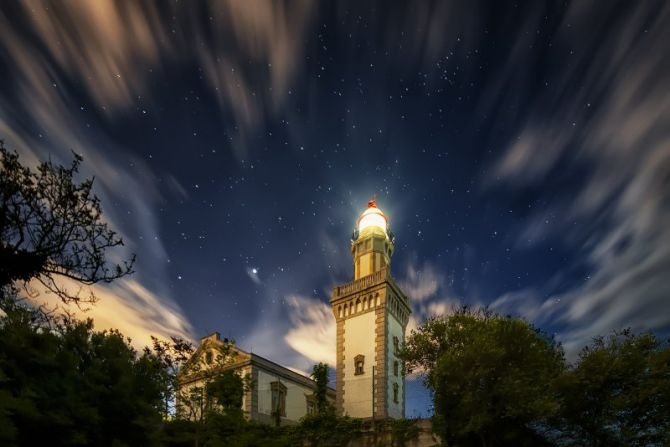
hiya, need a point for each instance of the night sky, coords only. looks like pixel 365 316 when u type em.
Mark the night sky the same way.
pixel 520 149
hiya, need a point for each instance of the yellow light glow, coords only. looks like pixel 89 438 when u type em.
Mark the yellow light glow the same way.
pixel 372 217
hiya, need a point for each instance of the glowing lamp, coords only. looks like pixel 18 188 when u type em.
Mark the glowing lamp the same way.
pixel 372 219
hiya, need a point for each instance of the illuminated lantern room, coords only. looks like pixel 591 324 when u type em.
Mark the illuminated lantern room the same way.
pixel 372 220
pixel 372 242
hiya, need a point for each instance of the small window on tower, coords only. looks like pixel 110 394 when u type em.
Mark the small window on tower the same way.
pixel 395 368
pixel 359 365
pixel 396 345
pixel 395 392
pixel 208 357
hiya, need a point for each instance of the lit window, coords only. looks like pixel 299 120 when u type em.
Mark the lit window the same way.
pixel 278 398
pixel 359 365
pixel 395 392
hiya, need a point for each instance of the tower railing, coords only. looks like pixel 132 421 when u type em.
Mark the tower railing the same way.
pixel 362 283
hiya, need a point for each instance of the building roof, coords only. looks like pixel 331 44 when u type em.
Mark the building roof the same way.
pixel 240 359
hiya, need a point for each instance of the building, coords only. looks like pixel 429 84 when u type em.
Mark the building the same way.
pixel 275 388
pixel 371 314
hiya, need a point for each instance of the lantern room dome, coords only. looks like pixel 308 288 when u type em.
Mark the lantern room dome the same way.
pixel 372 220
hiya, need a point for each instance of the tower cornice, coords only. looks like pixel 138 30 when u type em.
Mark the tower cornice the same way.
pixel 344 291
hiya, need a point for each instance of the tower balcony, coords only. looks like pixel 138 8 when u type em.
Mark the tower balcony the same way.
pixel 363 283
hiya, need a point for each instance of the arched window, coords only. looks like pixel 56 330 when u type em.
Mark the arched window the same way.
pixel 370 304
pixel 359 306
pixel 339 311
pixel 396 345
pixel 359 365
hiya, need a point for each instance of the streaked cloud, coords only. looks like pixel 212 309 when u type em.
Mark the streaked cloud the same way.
pixel 313 329
pixel 113 53
pixel 615 90
pixel 421 282
pixel 248 52
pixel 125 305
pixel 428 292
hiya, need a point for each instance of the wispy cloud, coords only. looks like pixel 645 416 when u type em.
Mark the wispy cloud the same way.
pixel 421 282
pixel 125 305
pixel 313 331
pixel 609 114
pixel 428 292
pixel 248 53
pixel 112 54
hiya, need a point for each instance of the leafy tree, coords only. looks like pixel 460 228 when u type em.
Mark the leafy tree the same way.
pixel 172 355
pixel 618 394
pixel 227 391
pixel 326 429
pixel 196 376
pixel 69 385
pixel 320 376
pixel 51 227
pixel 492 377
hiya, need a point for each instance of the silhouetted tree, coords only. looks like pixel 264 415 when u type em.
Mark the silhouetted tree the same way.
pixel 51 226
pixel 173 355
pixel 492 377
pixel 618 394
pixel 320 376
pixel 70 385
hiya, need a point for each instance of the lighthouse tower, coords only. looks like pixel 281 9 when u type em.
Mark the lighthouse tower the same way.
pixel 371 313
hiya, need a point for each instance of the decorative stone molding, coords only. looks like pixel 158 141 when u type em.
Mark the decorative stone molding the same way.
pixel 340 372
pixel 379 403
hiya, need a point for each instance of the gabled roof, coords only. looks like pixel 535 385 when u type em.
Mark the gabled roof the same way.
pixel 239 359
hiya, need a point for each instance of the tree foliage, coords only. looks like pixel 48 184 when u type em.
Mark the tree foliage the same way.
pixel 499 381
pixel 618 394
pixel 70 385
pixel 320 376
pixel 51 226
pixel 172 356
pixel 214 389
pixel 326 429
pixel 492 377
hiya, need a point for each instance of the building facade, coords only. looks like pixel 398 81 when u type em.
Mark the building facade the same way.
pixel 274 389
pixel 371 313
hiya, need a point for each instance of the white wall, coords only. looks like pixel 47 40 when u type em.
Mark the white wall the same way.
pixel 359 338
pixel 394 329
pixel 296 403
